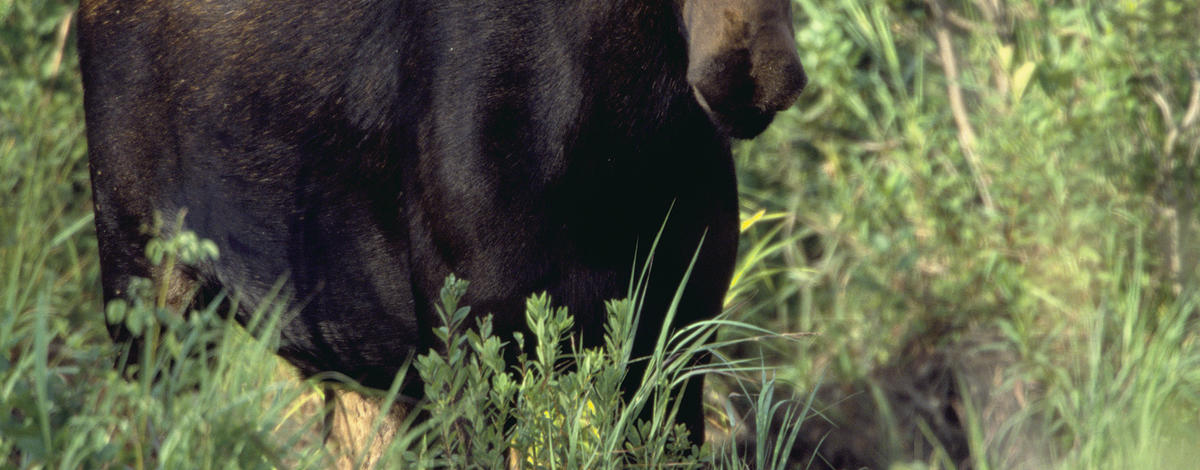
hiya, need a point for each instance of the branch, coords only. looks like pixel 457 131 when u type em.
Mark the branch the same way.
pixel 60 42
pixel 1168 122
pixel 966 134
pixel 963 23
pixel 1193 110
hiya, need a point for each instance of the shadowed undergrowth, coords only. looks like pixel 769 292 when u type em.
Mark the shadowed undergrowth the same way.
pixel 984 211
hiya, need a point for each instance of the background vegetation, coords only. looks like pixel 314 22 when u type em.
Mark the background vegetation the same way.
pixel 962 179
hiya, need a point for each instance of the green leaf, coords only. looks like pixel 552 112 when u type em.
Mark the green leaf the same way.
pixel 1020 80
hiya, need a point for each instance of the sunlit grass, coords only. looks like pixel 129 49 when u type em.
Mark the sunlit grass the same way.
pixel 864 223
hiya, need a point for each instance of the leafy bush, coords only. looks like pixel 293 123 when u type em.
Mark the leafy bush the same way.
pixel 1025 169
pixel 562 414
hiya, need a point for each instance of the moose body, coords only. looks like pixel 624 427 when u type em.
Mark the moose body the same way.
pixel 364 150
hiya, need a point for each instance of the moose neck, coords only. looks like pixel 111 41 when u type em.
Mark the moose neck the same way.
pixel 637 58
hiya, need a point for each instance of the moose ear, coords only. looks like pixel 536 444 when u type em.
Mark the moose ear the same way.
pixel 742 61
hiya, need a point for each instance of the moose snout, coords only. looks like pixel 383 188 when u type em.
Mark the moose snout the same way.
pixel 743 66
pixel 779 78
pixel 742 90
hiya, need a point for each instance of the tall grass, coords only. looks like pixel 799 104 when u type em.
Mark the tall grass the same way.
pixel 1049 203
pixel 994 179
pixel 62 403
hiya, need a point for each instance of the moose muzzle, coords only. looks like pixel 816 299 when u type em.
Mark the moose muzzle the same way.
pixel 742 61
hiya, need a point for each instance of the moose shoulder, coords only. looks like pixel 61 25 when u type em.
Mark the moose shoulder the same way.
pixel 365 149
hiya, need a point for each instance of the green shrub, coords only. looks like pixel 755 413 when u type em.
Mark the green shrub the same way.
pixel 1053 203
pixel 561 416
pixel 1063 221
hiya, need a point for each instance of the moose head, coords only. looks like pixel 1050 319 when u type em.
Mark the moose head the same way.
pixel 742 61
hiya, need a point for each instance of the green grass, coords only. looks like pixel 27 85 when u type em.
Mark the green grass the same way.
pixel 1057 233
pixel 1070 237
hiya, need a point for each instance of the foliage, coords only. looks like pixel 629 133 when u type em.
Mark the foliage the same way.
pixel 1025 168
pixel 1053 203
pixel 561 416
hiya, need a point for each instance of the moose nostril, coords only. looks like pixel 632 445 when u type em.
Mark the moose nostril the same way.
pixel 779 82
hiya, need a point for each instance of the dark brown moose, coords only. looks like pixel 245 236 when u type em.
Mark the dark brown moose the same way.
pixel 363 150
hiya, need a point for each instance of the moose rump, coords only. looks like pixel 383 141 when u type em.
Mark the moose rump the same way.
pixel 363 150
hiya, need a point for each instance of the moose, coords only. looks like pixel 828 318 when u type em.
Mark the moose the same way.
pixel 363 150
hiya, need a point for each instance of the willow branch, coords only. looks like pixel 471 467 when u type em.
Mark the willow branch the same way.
pixel 966 134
